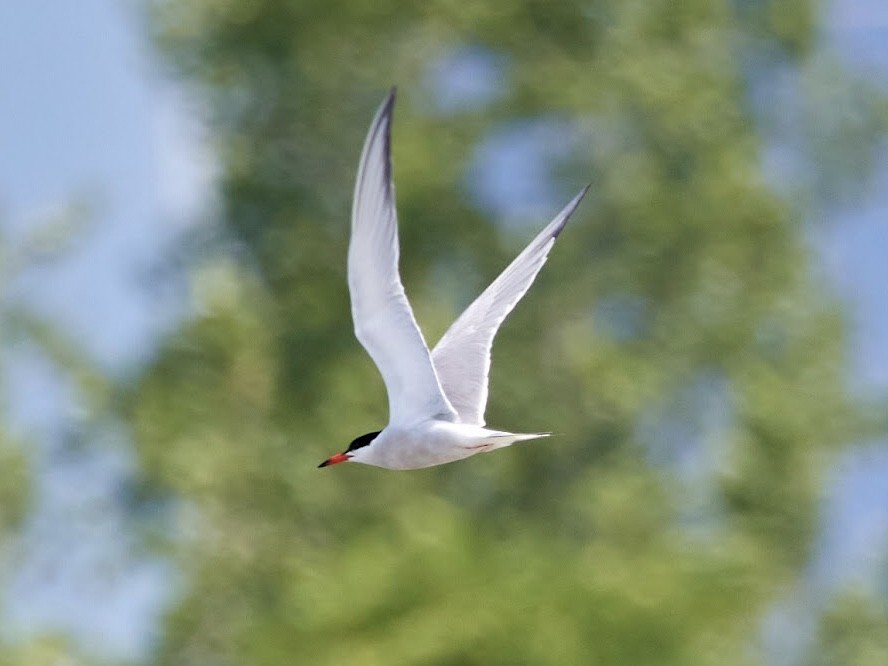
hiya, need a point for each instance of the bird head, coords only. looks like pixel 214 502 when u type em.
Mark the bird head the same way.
pixel 350 452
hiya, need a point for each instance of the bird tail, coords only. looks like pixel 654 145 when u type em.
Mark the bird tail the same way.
pixel 499 440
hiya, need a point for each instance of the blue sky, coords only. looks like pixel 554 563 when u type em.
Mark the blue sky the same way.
pixel 85 117
pixel 854 247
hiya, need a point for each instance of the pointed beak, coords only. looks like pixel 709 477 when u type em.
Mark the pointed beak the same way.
pixel 335 460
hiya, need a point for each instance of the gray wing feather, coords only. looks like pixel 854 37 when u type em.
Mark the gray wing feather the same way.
pixel 462 356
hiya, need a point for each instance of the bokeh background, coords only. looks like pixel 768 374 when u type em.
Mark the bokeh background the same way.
pixel 709 337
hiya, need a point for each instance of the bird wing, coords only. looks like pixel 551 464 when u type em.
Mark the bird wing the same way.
pixel 383 319
pixel 462 357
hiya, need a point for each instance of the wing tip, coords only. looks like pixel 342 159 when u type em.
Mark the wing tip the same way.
pixel 387 111
pixel 379 141
pixel 567 211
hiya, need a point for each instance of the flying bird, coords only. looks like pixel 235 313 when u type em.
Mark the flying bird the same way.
pixel 436 400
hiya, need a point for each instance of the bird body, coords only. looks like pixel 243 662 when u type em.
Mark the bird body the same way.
pixel 436 400
pixel 432 442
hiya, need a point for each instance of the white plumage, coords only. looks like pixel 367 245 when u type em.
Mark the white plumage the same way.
pixel 437 400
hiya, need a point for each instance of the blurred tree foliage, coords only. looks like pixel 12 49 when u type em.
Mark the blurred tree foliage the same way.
pixel 676 341
pixel 23 330
pixel 853 630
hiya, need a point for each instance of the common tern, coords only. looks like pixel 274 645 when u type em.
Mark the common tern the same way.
pixel 436 400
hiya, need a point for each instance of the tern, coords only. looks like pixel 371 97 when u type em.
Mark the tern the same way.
pixel 436 400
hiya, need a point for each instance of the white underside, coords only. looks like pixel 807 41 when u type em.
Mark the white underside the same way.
pixel 432 443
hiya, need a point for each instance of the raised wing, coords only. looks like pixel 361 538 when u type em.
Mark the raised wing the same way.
pixel 384 322
pixel 462 357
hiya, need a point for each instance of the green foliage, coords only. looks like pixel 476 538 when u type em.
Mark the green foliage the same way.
pixel 14 485
pixel 24 332
pixel 679 291
pixel 853 631
pixel 45 651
